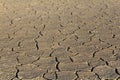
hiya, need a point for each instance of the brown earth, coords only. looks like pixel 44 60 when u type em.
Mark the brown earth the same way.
pixel 59 39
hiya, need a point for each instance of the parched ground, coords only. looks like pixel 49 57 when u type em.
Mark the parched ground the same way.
pixel 59 39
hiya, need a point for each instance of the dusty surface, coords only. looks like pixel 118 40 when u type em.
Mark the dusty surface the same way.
pixel 59 39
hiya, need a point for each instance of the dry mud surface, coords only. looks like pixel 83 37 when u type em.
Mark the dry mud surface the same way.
pixel 59 39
